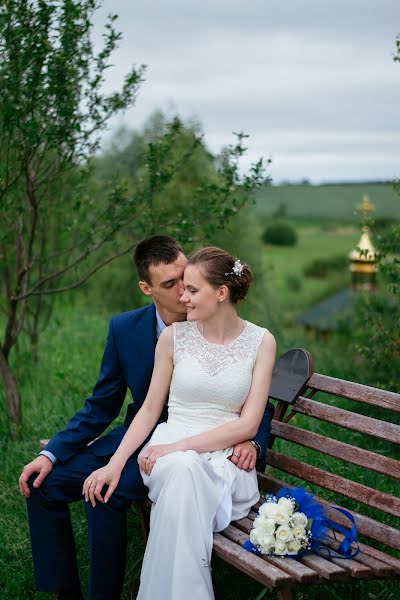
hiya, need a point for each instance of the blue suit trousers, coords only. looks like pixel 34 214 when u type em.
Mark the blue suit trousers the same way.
pixel 53 546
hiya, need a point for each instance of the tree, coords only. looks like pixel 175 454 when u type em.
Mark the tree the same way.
pixel 378 315
pixel 56 233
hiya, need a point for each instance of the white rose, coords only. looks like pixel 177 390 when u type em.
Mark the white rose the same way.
pixel 281 516
pixel 280 548
pixel 286 504
pixel 283 533
pixel 299 532
pixel 266 543
pixel 268 509
pixel 254 537
pixel 267 526
pixel 294 547
pixel 299 519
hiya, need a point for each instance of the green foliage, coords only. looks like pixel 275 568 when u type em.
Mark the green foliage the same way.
pixel 294 283
pixel 397 56
pixel 61 224
pixel 280 234
pixel 377 318
pixel 188 200
pixel 322 267
pixel 52 108
pixel 380 225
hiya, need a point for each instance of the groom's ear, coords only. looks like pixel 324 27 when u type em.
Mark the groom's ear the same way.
pixel 145 288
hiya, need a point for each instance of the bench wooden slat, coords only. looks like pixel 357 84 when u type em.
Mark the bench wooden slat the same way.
pixel 366 526
pixel 356 569
pixel 379 568
pixel 250 564
pixel 325 568
pixel 358 456
pixel 392 561
pixel 349 420
pixel 355 391
pixel 357 491
pixel 297 570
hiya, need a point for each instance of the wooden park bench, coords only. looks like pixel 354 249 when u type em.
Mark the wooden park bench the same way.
pixel 294 384
pixel 309 415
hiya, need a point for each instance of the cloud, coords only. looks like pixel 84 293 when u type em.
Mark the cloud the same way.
pixel 313 83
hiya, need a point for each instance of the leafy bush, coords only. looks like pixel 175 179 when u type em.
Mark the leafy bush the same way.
pixel 294 283
pixel 280 234
pixel 381 225
pixel 321 267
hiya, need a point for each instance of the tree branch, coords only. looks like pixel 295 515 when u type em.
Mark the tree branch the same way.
pixel 86 277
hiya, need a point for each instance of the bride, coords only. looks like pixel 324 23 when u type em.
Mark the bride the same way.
pixel 217 370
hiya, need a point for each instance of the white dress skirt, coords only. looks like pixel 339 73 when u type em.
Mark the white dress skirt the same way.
pixel 195 494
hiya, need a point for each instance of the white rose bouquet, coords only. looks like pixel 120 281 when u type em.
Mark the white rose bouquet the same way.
pixel 287 524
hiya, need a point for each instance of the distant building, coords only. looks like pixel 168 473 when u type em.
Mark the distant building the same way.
pixel 323 318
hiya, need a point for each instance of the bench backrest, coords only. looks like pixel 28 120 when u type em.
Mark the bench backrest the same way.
pixel 327 437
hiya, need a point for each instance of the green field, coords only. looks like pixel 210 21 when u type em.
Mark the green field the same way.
pixel 332 202
pixel 284 263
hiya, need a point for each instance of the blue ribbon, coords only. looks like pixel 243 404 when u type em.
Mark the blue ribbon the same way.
pixel 345 549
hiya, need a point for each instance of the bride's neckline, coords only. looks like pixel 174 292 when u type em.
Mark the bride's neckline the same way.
pixel 199 331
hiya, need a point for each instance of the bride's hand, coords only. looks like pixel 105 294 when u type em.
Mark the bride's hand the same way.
pixel 149 457
pixel 93 485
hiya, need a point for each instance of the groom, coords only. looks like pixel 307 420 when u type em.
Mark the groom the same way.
pixel 55 477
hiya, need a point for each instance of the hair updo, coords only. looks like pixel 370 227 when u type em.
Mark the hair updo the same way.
pixel 217 268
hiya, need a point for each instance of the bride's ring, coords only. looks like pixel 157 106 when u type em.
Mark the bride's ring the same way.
pixel 92 485
pixel 236 454
pixel 146 458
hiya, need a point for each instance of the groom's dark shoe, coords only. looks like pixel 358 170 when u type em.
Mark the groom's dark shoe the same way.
pixel 77 595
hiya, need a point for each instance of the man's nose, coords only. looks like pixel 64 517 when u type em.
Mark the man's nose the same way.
pixel 181 289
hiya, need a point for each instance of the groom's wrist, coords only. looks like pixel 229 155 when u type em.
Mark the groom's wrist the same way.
pixel 257 447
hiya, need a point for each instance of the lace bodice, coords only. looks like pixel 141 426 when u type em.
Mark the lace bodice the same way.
pixel 210 382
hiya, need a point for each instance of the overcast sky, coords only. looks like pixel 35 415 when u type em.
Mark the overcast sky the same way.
pixel 312 82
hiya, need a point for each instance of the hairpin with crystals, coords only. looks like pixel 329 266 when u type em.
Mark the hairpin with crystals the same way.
pixel 237 269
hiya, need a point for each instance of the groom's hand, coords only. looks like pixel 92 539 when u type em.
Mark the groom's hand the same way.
pixel 244 456
pixel 41 466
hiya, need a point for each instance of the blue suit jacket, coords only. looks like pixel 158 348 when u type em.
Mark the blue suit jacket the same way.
pixel 127 363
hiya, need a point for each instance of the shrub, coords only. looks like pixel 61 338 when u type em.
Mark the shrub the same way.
pixel 321 267
pixel 294 283
pixel 280 234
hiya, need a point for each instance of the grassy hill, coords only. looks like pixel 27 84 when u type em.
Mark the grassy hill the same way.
pixel 329 201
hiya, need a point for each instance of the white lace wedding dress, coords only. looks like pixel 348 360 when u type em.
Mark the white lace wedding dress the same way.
pixel 195 494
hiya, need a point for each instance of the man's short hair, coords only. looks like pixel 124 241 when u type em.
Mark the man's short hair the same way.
pixel 153 251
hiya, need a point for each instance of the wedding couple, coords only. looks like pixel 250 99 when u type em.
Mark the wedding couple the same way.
pixel 198 467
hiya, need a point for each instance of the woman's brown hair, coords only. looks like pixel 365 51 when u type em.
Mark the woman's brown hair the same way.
pixel 220 268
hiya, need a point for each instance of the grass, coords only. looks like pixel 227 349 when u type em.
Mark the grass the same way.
pixel 285 264
pixel 327 202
